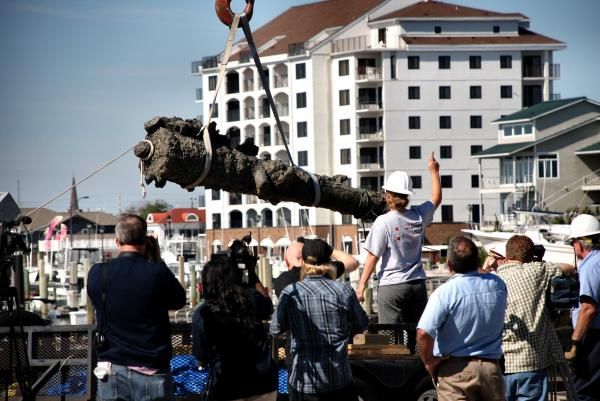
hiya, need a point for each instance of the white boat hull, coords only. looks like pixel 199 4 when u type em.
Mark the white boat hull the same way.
pixel 557 252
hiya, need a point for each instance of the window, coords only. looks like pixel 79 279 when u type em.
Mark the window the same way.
pixel 548 166
pixel 528 129
pixel 446 152
pixel 444 92
pixel 303 217
pixel 215 112
pixel 506 91
pixel 345 126
pixel 303 158
pixel 381 33
pixel 445 122
pixel 414 122
pixel 475 92
pixel 301 100
pixel 345 156
pixel 216 220
pixel 344 97
pixel 212 82
pixel 476 122
pixel 216 194
pixel 346 219
pixel 343 68
pixel 496 29
pixel 476 149
pixel 474 181
pixel 413 62
pixel 414 152
pixel 444 62
pixel 302 129
pixel 414 92
pixel 416 181
pixel 393 67
pixel 475 62
pixel 447 214
pixel 505 61
pixel 507 131
pixel 437 29
pixel 300 70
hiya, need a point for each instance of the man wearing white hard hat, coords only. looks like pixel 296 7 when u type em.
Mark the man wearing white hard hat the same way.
pixel 584 352
pixel 396 237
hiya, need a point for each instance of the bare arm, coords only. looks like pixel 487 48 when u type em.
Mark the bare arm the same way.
pixel 566 268
pixel 436 184
pixel 369 268
pixel 350 263
pixel 425 344
pixel 584 319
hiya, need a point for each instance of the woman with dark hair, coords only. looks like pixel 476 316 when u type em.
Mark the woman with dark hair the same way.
pixel 229 337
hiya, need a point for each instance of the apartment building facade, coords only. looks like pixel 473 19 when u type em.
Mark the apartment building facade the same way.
pixel 368 87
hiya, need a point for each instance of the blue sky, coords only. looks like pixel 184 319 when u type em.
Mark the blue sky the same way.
pixel 79 78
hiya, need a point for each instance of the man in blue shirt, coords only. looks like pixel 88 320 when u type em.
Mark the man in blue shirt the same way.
pixel 585 340
pixel 321 315
pixel 460 332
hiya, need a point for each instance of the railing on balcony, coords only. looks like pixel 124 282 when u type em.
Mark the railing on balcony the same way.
pixel 280 81
pixel 369 73
pixel 251 199
pixel 365 104
pixel 533 71
pixel 370 134
pixel 196 67
pixel 199 96
pixel 283 109
pixel 265 112
pixel 349 44
pixel 249 113
pixel 248 85
pixel 296 49
pixel 554 70
pixel 555 96
pixel 210 62
pixel 494 182
pixel 366 164
pixel 233 115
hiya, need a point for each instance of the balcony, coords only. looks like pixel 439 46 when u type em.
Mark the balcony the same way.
pixel 233 115
pixel 369 74
pixel 591 184
pixel 280 81
pixel 350 44
pixel 369 165
pixel 369 134
pixel 249 113
pixel 265 112
pixel 505 183
pixel 536 71
pixel 196 67
pixel 296 49
pixel 248 85
pixel 283 109
pixel 368 105
pixel 210 62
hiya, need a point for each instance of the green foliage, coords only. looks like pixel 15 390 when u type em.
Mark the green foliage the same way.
pixel 482 255
pixel 156 206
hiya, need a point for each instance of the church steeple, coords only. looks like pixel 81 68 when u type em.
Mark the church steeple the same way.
pixel 74 206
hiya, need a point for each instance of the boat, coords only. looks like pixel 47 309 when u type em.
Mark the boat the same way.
pixel 554 237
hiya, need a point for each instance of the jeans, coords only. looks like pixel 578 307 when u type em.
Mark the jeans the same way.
pixel 587 367
pixel 526 386
pixel 125 384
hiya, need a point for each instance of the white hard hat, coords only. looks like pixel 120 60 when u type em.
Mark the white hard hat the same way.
pixel 399 182
pixel 584 225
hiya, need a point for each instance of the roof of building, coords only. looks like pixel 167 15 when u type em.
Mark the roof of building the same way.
pixel 100 218
pixel 437 9
pixel 178 215
pixel 40 219
pixel 589 150
pixel 538 110
pixel 300 23
pixel 506 149
pixel 525 37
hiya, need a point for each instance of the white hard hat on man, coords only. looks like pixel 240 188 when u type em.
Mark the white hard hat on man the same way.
pixel 399 182
pixel 584 225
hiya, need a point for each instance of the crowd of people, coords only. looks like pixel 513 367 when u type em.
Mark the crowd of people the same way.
pixel 485 334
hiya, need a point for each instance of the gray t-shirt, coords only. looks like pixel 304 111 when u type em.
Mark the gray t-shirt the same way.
pixel 397 238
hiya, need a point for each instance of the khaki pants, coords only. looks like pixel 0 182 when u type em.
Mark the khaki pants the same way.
pixel 470 379
pixel 263 397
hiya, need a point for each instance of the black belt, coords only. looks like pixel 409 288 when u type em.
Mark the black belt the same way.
pixel 472 358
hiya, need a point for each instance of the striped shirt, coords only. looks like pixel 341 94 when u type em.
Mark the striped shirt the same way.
pixel 322 315
pixel 529 340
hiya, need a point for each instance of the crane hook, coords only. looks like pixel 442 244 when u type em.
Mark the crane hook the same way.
pixel 223 9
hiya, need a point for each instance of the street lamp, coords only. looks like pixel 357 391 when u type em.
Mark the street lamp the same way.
pixel 169 221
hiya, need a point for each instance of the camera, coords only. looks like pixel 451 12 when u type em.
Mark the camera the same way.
pixel 10 243
pixel 240 254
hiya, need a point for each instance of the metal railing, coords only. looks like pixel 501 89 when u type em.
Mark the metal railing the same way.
pixel 369 74
pixel 349 44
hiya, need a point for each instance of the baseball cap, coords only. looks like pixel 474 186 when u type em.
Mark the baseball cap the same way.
pixel 316 252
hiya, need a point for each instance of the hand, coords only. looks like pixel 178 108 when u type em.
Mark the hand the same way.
pixel 571 354
pixel 433 165
pixel 431 365
pixel 360 293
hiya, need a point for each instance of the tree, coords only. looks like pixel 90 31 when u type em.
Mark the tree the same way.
pixel 156 206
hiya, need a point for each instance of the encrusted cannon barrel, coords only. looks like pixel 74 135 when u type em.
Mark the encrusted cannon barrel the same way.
pixel 174 151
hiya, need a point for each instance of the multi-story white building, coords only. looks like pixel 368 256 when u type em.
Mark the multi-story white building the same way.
pixel 367 87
